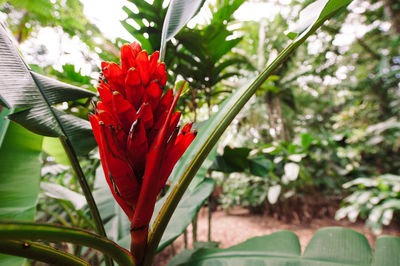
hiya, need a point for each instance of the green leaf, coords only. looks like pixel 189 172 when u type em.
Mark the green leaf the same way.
pixel 260 166
pixel 54 148
pixel 116 222
pixel 329 246
pixel 185 254
pixel 306 140
pixel 313 14
pixel 40 252
pixel 57 191
pixel 387 251
pixel 22 88
pixel 233 160
pixel 10 230
pixel 178 14
pixel 19 177
pixel 185 212
pixel 20 173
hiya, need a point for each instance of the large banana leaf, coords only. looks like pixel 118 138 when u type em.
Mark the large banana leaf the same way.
pixel 54 148
pixel 329 246
pixel 115 220
pixel 19 176
pixel 34 94
pixel 189 206
pixel 178 14
pixel 194 197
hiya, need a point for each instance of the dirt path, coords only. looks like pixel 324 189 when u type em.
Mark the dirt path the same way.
pixel 237 226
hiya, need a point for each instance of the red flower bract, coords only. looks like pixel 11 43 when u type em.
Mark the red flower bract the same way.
pixel 137 131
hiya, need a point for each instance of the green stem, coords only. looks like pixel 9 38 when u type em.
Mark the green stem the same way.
pixel 40 252
pixel 44 232
pixel 74 221
pixel 177 192
pixel 209 217
pixel 67 145
pixel 55 215
pixel 84 220
pixel 194 228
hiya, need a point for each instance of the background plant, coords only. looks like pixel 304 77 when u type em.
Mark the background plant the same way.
pixel 375 199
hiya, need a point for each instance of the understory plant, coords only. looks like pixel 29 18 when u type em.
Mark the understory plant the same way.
pixel 376 199
pixel 136 129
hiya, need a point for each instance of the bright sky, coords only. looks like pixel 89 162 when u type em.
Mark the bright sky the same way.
pixel 107 16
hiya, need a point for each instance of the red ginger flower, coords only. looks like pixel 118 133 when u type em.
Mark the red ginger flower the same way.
pixel 137 131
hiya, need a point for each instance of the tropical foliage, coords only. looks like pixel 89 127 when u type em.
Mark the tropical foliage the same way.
pixel 321 115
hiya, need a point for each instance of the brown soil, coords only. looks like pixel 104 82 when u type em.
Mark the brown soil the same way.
pixel 225 229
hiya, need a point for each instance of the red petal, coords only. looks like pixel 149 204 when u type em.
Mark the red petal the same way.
pixel 106 117
pixel 94 121
pixel 115 77
pixel 104 65
pixel 174 122
pixel 154 92
pixel 120 172
pixel 136 48
pixel 143 65
pixel 187 128
pixel 137 147
pixel 157 127
pixel 127 58
pixel 124 111
pixel 100 106
pixel 149 189
pixel 134 87
pixel 162 74
pixel 105 95
pixel 132 78
pixel 164 104
pixel 173 153
pixel 154 62
pixel 98 132
pixel 146 115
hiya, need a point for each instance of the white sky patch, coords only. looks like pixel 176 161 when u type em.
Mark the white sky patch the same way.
pixel 106 15
pixel 51 46
pixel 256 11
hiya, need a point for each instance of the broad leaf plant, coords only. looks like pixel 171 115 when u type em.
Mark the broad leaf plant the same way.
pixel 135 126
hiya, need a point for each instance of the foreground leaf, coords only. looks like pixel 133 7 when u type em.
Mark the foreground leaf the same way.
pixel 185 212
pixel 22 88
pixel 35 94
pixel 329 246
pixel 40 252
pixel 19 177
pixel 10 230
